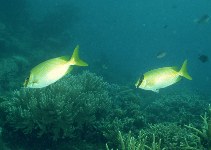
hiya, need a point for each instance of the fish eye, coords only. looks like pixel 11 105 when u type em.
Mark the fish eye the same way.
pixel 26 82
pixel 140 80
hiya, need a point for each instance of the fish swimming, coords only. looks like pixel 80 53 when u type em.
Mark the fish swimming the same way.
pixel 203 58
pixel 52 70
pixel 203 19
pixel 162 77
pixel 161 55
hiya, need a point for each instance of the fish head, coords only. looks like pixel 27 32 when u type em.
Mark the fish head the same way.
pixel 30 82
pixel 141 82
pixel 25 84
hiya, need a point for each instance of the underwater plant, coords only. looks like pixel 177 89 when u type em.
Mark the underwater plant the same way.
pixel 173 136
pixel 65 110
pixel 161 136
pixel 128 142
pixel 204 135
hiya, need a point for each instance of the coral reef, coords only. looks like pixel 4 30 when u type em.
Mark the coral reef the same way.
pixel 125 115
pixel 85 112
pixel 164 117
pixel 181 108
pixel 128 142
pixel 67 109
pixel 204 135
pixel 168 136
pixel 173 136
pixel 10 74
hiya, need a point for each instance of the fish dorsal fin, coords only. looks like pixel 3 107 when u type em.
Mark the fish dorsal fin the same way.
pixel 65 58
pixel 175 68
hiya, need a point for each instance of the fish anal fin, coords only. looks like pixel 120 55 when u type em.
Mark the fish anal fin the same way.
pixel 69 69
pixel 179 78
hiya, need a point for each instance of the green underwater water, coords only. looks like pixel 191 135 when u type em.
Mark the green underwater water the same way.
pixel 98 107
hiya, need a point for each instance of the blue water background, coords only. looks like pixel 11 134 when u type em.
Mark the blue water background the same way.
pixel 120 39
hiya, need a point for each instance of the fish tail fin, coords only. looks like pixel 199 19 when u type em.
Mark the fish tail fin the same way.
pixel 184 72
pixel 75 59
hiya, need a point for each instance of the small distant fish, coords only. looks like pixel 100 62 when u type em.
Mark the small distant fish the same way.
pixel 162 77
pixel 52 70
pixel 203 58
pixel 203 19
pixel 165 26
pixel 174 6
pixel 161 55
pixel 105 67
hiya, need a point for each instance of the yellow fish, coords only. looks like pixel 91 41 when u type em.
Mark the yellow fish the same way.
pixel 162 77
pixel 52 70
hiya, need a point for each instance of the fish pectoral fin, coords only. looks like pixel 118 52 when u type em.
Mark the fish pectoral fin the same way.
pixel 156 90
pixel 178 79
pixel 34 82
